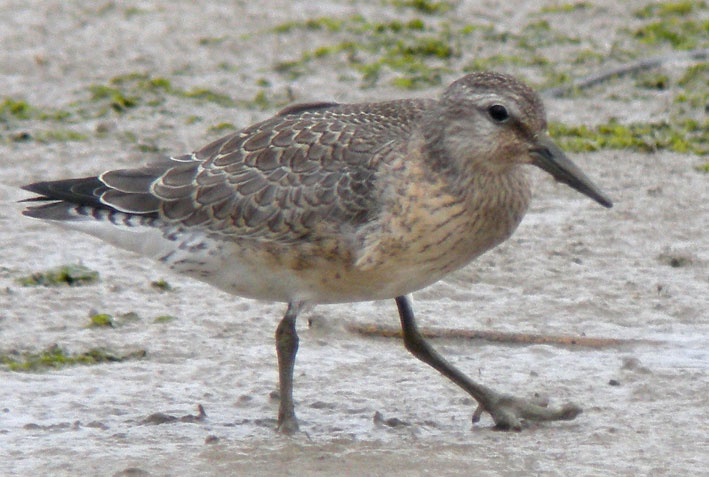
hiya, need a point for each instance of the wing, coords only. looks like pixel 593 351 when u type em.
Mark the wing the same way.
pixel 309 169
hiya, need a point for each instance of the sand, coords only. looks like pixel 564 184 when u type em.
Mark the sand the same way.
pixel 639 271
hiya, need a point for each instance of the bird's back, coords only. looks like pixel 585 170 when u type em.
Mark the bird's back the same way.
pixel 276 180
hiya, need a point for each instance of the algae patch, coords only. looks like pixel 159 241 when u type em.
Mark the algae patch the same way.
pixel 669 9
pixel 15 112
pixel 72 275
pixel 56 357
pixel 222 127
pixel 18 109
pixel 161 285
pixel 683 136
pixel 695 87
pixel 416 51
pixel 106 320
pixel 125 92
pixel 681 34
pixel 424 6
pixel 100 320
pixel 566 7
pixel 164 319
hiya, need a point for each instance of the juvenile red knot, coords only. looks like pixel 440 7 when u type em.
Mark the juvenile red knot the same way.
pixel 336 203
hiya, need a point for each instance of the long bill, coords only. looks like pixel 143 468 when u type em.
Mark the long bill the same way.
pixel 550 158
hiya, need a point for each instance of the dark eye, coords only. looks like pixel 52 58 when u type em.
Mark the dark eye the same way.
pixel 498 113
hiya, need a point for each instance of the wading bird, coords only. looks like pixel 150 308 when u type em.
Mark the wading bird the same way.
pixel 336 203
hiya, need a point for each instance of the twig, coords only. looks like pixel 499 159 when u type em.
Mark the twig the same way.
pixel 499 336
pixel 594 79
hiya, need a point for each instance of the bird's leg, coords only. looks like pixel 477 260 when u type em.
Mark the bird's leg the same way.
pixel 508 412
pixel 287 347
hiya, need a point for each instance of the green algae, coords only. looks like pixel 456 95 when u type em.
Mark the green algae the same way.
pixel 72 275
pixel 164 319
pixel 566 7
pixel 404 47
pixel 668 9
pixel 680 34
pixel 101 320
pixel 56 357
pixel 19 109
pixel 427 7
pixel 683 136
pixel 161 285
pixel 131 90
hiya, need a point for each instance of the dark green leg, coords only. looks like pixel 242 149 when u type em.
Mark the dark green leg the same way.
pixel 287 347
pixel 508 412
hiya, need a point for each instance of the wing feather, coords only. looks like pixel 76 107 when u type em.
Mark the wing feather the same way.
pixel 305 172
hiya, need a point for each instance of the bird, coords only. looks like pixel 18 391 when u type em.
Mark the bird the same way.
pixel 327 203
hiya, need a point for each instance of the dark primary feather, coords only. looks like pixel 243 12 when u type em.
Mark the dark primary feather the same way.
pixel 309 166
pixel 84 191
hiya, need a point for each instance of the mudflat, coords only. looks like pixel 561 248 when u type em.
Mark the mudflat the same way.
pixel 90 87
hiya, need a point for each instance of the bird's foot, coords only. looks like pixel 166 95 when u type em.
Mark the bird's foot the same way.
pixel 512 413
pixel 288 425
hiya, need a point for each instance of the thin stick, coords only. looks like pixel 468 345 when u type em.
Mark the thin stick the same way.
pixel 649 63
pixel 498 336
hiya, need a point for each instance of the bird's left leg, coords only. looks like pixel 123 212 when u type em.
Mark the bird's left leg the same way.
pixel 286 348
pixel 508 412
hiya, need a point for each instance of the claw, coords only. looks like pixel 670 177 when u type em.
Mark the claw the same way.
pixel 511 413
pixel 477 413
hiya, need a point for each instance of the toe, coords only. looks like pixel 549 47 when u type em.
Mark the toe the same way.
pixel 510 413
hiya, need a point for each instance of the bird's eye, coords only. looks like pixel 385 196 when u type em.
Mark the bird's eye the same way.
pixel 498 113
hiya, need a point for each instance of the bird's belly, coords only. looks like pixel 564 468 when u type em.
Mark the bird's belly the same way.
pixel 261 275
pixel 297 272
pixel 322 283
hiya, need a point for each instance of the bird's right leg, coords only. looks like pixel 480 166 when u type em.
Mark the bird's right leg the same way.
pixel 508 412
pixel 286 348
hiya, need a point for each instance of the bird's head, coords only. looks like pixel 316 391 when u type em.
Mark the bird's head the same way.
pixel 490 122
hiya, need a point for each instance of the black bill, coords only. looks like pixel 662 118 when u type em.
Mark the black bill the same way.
pixel 549 157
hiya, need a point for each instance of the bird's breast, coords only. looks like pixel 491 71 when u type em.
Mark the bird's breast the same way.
pixel 431 228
